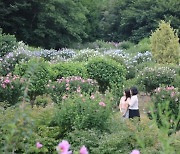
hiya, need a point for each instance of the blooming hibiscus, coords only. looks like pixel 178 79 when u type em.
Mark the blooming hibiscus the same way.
pixel 39 145
pixel 83 150
pixel 102 104
pixel 135 152
pixel 63 147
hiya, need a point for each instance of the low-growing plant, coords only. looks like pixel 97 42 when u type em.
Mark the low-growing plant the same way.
pixel 42 101
pixel 83 112
pixel 172 96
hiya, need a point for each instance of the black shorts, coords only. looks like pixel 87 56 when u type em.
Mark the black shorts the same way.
pixel 134 113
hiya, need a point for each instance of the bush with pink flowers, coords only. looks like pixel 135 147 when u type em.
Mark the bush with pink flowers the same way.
pixel 10 88
pixel 84 112
pixel 172 96
pixel 65 86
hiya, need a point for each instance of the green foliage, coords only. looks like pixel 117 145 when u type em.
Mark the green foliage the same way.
pixel 15 129
pixel 108 73
pixel 51 23
pixel 165 44
pixel 37 71
pixel 83 112
pixel 61 88
pixel 134 20
pixel 88 137
pixel 151 78
pixel 42 101
pixel 126 44
pixel 171 95
pixel 125 136
pixel 7 43
pixel 11 89
pixel 69 69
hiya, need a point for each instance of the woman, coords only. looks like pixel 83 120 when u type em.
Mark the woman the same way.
pixel 124 102
pixel 133 103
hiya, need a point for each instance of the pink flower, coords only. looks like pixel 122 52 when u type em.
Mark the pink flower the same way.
pixel 83 150
pixel 170 88
pixel 135 152
pixel 92 97
pixel 102 104
pixel 64 97
pixel 39 145
pixel 7 81
pixel 63 147
pixel 173 94
pixel 67 88
pixel 67 80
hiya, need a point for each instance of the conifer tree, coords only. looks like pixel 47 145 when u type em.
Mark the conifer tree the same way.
pixel 165 44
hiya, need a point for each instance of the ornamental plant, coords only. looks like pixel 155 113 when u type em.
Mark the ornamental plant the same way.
pixel 38 73
pixel 171 95
pixel 64 69
pixel 108 73
pixel 165 44
pixel 11 88
pixel 84 112
pixel 7 43
pixel 61 88
pixel 151 78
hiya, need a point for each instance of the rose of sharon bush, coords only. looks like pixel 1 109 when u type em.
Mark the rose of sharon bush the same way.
pixel 64 86
pixel 10 88
pixel 151 78
pixel 171 95
pixel 81 112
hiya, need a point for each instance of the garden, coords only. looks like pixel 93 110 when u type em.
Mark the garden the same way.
pixel 66 100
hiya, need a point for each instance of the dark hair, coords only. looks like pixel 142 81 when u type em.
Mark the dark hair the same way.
pixel 127 94
pixel 134 90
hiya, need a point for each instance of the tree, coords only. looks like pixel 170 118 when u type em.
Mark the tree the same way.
pixel 47 23
pixel 165 44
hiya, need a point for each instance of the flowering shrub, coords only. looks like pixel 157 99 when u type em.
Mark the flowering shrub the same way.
pixel 171 95
pixel 83 112
pixel 108 73
pixel 65 69
pixel 37 71
pixel 61 88
pixel 86 54
pixel 7 43
pixel 152 78
pixel 10 88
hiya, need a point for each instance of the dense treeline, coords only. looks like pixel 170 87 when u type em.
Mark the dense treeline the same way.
pixel 59 23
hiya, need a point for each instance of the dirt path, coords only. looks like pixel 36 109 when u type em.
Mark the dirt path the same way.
pixel 144 102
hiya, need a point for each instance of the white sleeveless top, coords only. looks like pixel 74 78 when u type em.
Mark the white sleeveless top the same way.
pixel 133 104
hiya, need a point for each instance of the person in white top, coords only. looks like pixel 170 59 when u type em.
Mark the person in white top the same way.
pixel 124 103
pixel 133 104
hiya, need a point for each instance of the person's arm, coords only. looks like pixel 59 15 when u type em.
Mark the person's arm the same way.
pixel 120 104
pixel 127 106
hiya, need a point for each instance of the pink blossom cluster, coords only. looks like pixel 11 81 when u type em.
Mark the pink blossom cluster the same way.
pixel 64 148
pixel 7 80
pixel 170 90
pixel 76 78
